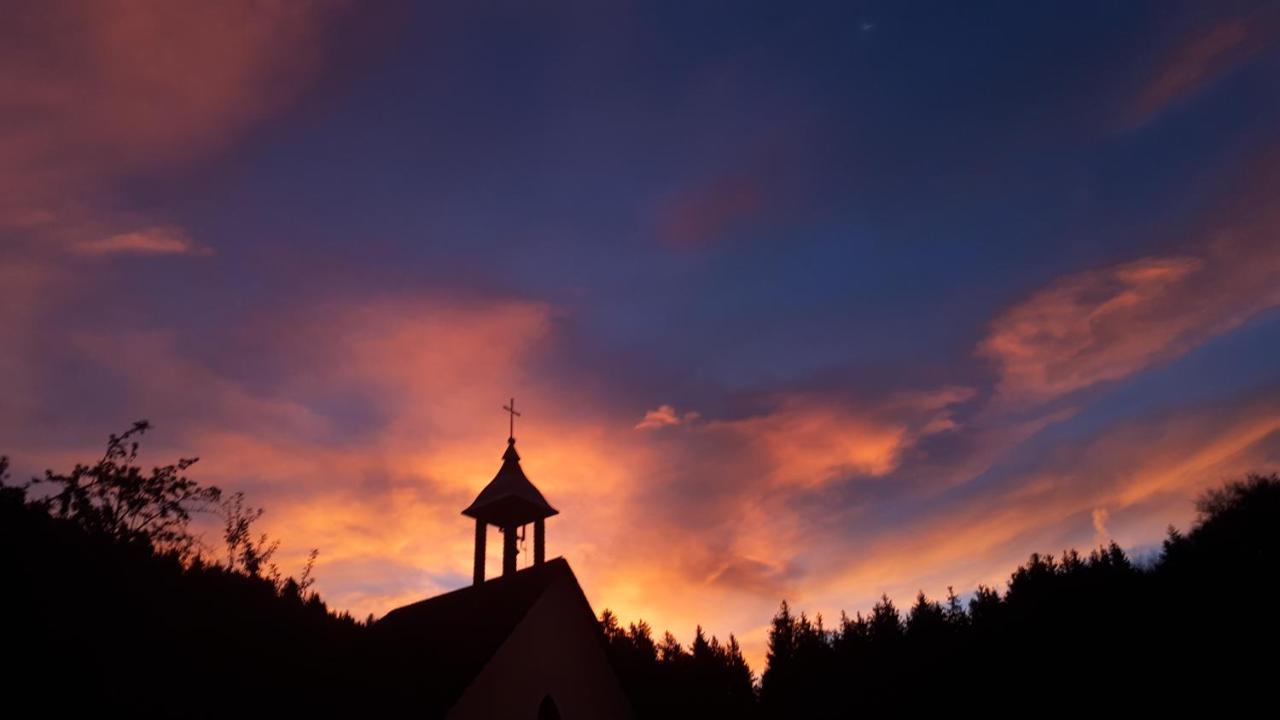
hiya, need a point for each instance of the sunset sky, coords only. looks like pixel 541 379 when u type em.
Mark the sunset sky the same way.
pixel 799 301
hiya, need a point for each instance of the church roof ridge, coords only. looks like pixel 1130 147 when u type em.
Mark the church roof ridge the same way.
pixel 450 637
pixel 529 576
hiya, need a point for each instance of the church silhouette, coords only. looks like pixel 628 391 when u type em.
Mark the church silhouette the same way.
pixel 523 645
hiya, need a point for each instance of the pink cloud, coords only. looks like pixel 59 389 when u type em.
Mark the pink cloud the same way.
pixel 438 370
pixel 1100 517
pixel 159 240
pixel 1202 59
pixel 704 213
pixel 94 90
pixel 1093 326
pixel 809 441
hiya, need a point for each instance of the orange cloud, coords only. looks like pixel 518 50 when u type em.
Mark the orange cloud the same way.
pixel 713 513
pixel 665 416
pixel 1145 477
pixel 1111 322
pixel 810 441
pixel 711 522
pixel 1200 60
pixel 382 503
pixel 809 444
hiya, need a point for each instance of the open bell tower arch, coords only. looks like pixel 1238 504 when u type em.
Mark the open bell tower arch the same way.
pixel 509 502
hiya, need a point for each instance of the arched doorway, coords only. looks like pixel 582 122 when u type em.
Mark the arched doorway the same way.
pixel 548 710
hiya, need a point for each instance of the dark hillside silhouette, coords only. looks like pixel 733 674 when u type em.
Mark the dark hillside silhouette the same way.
pixel 111 606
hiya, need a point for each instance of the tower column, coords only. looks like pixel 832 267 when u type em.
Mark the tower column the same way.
pixel 539 541
pixel 478 576
pixel 509 550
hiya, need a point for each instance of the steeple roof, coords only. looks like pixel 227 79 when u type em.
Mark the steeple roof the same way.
pixel 510 499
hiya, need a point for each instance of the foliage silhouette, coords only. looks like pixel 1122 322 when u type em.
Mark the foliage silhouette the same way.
pixel 114 497
pixel 111 606
pixel 244 554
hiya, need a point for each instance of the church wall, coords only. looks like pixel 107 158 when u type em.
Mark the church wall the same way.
pixel 555 650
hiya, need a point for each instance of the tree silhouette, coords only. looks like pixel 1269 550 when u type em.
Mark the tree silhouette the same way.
pixel 1183 621
pixel 244 553
pixel 115 497
pixel 709 679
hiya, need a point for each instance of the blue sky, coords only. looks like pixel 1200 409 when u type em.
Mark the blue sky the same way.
pixel 817 301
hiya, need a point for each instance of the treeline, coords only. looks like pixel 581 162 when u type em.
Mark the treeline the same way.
pixel 1198 623
pixel 664 679
pixel 111 605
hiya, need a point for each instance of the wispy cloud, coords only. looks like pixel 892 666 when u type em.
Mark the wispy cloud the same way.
pixel 1203 58
pixel 1128 485
pixel 704 213
pixel 93 91
pixel 1100 518
pixel 1094 326
pixel 159 240
pixel 665 416
pixel 1110 322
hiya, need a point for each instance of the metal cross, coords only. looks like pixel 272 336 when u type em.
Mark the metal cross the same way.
pixel 512 409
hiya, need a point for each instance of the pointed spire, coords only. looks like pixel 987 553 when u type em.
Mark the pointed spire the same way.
pixel 510 499
pixel 510 502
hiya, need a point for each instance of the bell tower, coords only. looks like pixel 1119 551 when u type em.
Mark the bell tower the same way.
pixel 510 502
